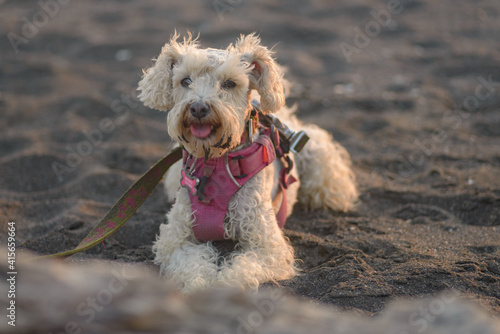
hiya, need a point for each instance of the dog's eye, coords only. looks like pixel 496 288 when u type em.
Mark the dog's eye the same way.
pixel 185 82
pixel 228 84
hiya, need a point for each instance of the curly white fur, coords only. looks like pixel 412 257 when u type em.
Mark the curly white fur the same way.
pixel 262 252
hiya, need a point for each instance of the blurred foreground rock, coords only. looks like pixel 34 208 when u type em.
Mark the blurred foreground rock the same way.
pixel 109 297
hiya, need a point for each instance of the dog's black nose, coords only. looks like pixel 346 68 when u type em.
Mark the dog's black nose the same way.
pixel 199 110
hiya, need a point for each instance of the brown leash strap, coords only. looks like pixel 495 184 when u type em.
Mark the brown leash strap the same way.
pixel 133 198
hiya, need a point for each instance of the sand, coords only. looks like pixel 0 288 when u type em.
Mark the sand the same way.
pixel 414 99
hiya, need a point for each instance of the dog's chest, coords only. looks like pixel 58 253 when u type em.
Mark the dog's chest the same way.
pixel 212 183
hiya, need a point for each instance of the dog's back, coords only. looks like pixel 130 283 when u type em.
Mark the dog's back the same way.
pixel 324 167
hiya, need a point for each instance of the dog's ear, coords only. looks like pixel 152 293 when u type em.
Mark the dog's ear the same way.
pixel 266 76
pixel 156 84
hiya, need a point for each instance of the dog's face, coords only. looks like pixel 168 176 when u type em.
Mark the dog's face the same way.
pixel 207 91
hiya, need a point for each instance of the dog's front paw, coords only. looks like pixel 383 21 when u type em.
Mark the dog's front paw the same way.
pixel 237 277
pixel 192 267
pixel 196 284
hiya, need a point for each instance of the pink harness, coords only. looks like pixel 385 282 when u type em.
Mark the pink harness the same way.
pixel 213 182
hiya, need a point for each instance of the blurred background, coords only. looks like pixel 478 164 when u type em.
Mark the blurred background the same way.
pixel 410 88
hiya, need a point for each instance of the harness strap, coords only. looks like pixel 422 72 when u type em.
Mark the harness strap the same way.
pixel 279 202
pixel 208 170
pixel 243 165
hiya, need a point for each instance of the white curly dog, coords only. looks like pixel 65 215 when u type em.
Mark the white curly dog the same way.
pixel 208 94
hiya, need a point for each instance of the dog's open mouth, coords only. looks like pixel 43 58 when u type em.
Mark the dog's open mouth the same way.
pixel 202 131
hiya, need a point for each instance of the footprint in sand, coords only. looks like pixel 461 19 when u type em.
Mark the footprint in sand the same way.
pixel 423 214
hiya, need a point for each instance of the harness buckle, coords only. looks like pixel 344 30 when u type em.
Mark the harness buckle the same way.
pixel 292 140
pixel 298 140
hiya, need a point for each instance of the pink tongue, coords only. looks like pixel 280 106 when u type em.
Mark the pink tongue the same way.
pixel 201 130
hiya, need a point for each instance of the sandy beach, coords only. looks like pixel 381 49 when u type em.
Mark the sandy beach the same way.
pixel 410 88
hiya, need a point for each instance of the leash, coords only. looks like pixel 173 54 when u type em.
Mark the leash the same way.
pixel 133 198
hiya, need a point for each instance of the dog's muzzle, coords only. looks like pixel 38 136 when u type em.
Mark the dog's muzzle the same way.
pixel 199 110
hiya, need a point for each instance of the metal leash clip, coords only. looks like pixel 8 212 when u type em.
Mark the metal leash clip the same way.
pixel 294 140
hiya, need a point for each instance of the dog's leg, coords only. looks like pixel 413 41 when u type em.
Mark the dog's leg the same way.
pixel 263 253
pixel 192 267
pixel 189 264
pixel 173 181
